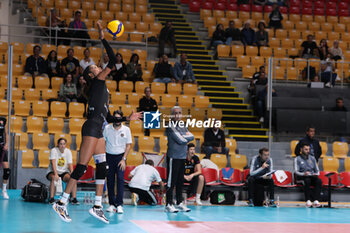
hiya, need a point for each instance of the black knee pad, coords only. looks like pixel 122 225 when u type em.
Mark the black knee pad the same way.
pixel 7 172
pixel 101 171
pixel 78 171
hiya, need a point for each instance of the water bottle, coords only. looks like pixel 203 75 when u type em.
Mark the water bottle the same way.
pixel 185 199
pixel 278 201
pixel 322 109
pixel 164 199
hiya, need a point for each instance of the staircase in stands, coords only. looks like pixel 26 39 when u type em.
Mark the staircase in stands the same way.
pixel 238 117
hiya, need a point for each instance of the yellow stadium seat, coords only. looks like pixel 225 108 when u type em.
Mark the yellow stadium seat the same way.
pixel 128 8
pixel 66 13
pixel 286 63
pixel 257 16
pixel 29 47
pixel 65 136
pixel 314 26
pixel 287 43
pixel 16 123
pixel 275 42
pixel 133 98
pixel 150 64
pixel 142 27
pixel 248 71
pixel 340 149
pixel 292 73
pixel 148 18
pixel 201 101
pixel 34 124
pixel 344 20
pixel 265 51
pixel 279 52
pixel 333 36
pixel 198 113
pixel 58 109
pixel 118 98
pixel 136 127
pixel 18 47
pixel 209 21
pixel 190 89
pixel 136 18
pixel 279 73
pixel 238 161
pixel 294 34
pixel 293 144
pixel 332 19
pixel 288 25
pixel 74 4
pixel 327 27
pixel 174 88
pixel 44 158
pixel 21 107
pixel 258 61
pixel 125 86
pixel 75 125
pixel 223 21
pixel 17 93
pixel 142 54
pixel 40 108
pixel 186 101
pixel 74 157
pixel 238 22
pixel 319 18
pixel 330 164
pixel 49 94
pixel 101 6
pixel 41 141
pixel 21 141
pixel 219 159
pixel 223 50
pixel 55 125
pixel 347 164
pixel 25 82
pixel 140 87
pixel 163 144
pixel 134 158
pixel 27 158
pixel 214 113
pixel 76 110
pixel 128 109
pixel 231 15
pixel 324 148
pixel 281 33
pixel 157 88
pixel 231 144
pixel 300 63
pixel 122 16
pixel 56 83
pixel 307 18
pixel 42 82
pixel 244 16
pixel 204 13
pixel 251 51
pixel 87 6
pixel 111 85
pixel 32 94
pixel 146 144
pixel 169 100
pixel 218 14
pixel 18 69
pixel 340 27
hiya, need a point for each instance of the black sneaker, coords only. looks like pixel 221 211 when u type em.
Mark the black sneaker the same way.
pixel 250 203
pixel 51 201
pixel 97 212
pixel 272 203
pixel 74 201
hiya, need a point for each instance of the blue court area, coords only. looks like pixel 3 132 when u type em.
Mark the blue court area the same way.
pixel 19 216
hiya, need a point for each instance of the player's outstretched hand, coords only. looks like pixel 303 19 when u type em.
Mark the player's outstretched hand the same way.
pixel 100 29
pixel 135 116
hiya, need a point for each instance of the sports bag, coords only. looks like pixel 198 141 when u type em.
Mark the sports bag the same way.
pixel 35 191
pixel 222 197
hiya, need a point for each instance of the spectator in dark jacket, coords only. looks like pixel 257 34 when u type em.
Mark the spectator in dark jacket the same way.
pixel 248 35
pixel 164 72
pixel 134 69
pixel 218 38
pixel 35 64
pixel 70 65
pixel 339 107
pixel 76 29
pixel 80 90
pixel 147 104
pixel 233 34
pixel 167 34
pixel 275 18
pixel 309 139
pixel 214 142
pixel 53 65
pixel 262 36
pixel 183 70
pixel 119 72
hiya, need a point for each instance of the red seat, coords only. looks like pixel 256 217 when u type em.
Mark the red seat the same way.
pixel 195 6
pixel 331 12
pixel 294 10
pixel 127 171
pixel 210 176
pixel 88 176
pixel 285 184
pixel 236 178
pixel 232 7
pixel 207 5
pixel 306 11
pixel 343 12
pixel 257 8
pixel 345 179
pixel 185 1
pixel 307 3
pixel 324 178
pixel 245 174
pixel 162 172
pixel 267 9
pixel 294 3
pixel 319 4
pixel 222 1
pixel 284 10
pixel 319 11
pixel 220 6
pixel 233 1
pixel 343 6
pixel 244 7
pixel 331 5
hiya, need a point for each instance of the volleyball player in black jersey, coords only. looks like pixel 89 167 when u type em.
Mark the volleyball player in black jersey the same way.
pixel 4 138
pixel 93 143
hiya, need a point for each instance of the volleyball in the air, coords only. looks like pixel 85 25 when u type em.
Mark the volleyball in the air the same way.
pixel 115 28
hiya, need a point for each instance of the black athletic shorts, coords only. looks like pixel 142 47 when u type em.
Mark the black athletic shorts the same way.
pixel 60 175
pixel 3 155
pixel 92 128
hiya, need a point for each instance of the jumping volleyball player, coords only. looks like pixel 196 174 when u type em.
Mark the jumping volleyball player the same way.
pixel 93 142
pixel 4 138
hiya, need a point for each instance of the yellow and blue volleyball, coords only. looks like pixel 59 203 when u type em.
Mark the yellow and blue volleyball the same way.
pixel 115 28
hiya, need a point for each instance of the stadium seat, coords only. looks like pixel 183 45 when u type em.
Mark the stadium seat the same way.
pixel 223 50
pixel 163 144
pixel 333 36
pixel 202 101
pixel 327 27
pixel 237 50
pixel 16 123
pixel 293 144
pixel 325 180
pixel 127 109
pixel 44 158
pixel 288 25
pixel 56 83
pixel 345 179
pixel 136 127
pixel 231 144
pixel 174 88
pixel 118 98
pixel 168 100
pixel 21 107
pixel 238 161
pixel 324 148
pixel 339 27
pixel 65 136
pixel 210 176
pixel 185 101
pixel 287 183
pixel 58 109
pixel 265 51
pixel 48 94
pixel 41 82
pixel 76 110
pixel 78 140
pixel 41 141
pixel 140 87
pixel 292 73
pixel 34 124
pixel 330 164
pixel 75 125
pixel 18 47
pixel 24 82
pixel 219 14
pixel 142 9
pixel 235 180
pixel 148 18
pixel 146 144
pixel 340 149
pixel 198 113
pixel 125 86
pixel 17 93
pixel 219 159
pixel 27 158
pixel 133 98
pixel 243 61
pixel 31 94
pixel 251 51
pixel 190 89
pixel 279 52
pixel 74 156
pixel 157 88
pixel 128 8
pixel 55 125
pixel 21 141
pixel 134 158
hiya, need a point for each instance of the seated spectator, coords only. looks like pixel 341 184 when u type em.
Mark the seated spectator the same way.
pixel 147 104
pixel 248 35
pixel 61 166
pixel 262 36
pixel 104 62
pixel 256 75
pixel 214 142
pixel 194 176
pixel 68 90
pixel 53 65
pixel 35 64
pixel 141 180
pixel 183 70
pixel 275 17
pixel 323 49
pixel 56 27
pixel 339 105
pixel 81 98
pixel 134 69
pixel 119 72
pixel 86 61
pixel 78 29
pixel 164 72
pixel 309 139
pixel 307 171
pixel 218 38
pixel 315 79
pixel 326 73
pixel 70 65
pixel 260 2
pixel 233 34
pixel 167 35
pixel 260 103
pixel 309 48
pixel 260 166
pixel 336 52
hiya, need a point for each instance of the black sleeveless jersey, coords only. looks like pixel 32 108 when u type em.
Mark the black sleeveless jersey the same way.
pixel 2 130
pixel 98 100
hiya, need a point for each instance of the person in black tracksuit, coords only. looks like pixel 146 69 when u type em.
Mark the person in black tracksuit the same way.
pixel 4 155
pixel 93 142
pixel 309 139
pixel 147 104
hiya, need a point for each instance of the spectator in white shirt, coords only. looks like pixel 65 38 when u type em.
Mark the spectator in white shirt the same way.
pixel 61 166
pixel 86 61
pixel 141 180
pixel 118 144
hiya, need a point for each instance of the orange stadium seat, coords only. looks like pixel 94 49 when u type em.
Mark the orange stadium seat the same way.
pixel 125 86
pixel 21 107
pixel 185 101
pixel 17 93
pixel 118 98
pixel 168 100
pixel 223 50
pixel 174 88
pixel 44 160
pixel 76 110
pixel 58 109
pixel 31 94
pixel 27 158
pixel 214 113
pixel 41 141
pixel 21 141
pixel 190 89
pixel 40 108
pixel 136 127
pixel 158 88
pixel 55 125
pixel 340 149
pixel 202 101
pixel 135 17
pixel 16 123
pixel 133 98
pixel 140 87
pixel 42 82
pixel 75 125
pixel 148 18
